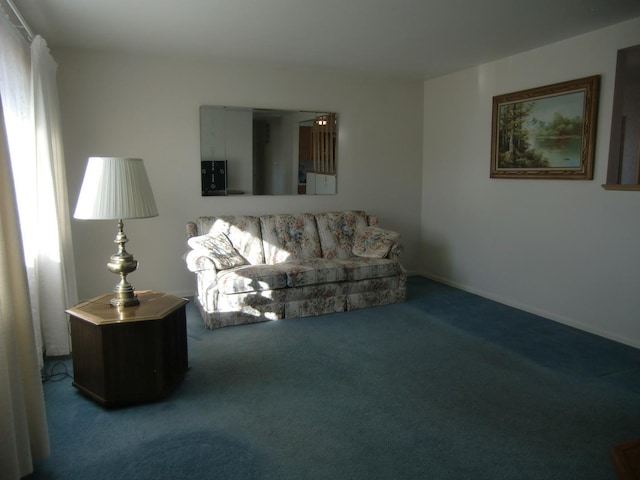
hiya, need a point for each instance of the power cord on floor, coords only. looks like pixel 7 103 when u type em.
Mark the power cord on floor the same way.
pixel 57 372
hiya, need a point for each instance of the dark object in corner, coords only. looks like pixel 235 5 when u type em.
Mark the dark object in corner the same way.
pixel 626 460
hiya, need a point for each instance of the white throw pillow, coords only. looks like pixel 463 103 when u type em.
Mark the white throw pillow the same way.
pixel 373 242
pixel 219 249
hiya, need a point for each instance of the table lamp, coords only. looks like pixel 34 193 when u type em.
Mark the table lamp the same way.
pixel 116 188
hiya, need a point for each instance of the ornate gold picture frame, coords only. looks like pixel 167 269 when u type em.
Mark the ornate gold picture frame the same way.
pixel 546 132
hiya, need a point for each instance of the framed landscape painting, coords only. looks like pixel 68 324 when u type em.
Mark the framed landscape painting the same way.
pixel 546 132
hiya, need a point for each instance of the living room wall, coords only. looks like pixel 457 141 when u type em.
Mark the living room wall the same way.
pixel 567 250
pixel 148 107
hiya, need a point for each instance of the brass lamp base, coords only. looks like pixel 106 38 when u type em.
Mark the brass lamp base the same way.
pixel 123 263
pixel 125 295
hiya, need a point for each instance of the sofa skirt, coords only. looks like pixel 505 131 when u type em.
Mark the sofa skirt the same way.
pixel 221 310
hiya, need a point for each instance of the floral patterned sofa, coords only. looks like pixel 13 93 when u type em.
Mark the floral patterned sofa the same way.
pixel 252 269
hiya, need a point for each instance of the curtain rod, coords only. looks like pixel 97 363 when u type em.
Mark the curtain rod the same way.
pixel 23 22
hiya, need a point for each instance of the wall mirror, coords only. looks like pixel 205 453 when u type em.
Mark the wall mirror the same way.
pixel 623 171
pixel 253 151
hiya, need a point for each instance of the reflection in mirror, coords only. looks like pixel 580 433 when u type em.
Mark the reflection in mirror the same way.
pixel 270 152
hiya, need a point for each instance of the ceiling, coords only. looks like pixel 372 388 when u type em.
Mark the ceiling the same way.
pixel 407 38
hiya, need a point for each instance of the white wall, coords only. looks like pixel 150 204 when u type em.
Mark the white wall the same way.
pixel 148 107
pixel 565 249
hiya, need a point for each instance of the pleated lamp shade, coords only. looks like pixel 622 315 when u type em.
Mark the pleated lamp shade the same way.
pixel 115 188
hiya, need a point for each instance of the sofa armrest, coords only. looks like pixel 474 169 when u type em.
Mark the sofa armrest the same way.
pixel 191 230
pixel 200 260
pixel 395 251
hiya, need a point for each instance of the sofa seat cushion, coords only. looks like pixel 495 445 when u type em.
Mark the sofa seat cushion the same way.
pixel 251 278
pixel 300 273
pixel 314 272
pixel 360 268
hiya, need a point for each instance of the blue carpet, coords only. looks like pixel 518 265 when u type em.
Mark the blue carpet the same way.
pixel 545 342
pixel 447 385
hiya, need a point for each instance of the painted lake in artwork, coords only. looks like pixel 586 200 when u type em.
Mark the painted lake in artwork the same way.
pixel 560 152
pixel 555 129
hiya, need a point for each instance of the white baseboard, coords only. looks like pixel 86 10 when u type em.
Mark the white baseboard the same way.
pixel 571 322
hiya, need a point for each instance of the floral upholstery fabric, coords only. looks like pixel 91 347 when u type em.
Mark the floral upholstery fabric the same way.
pixel 365 268
pixel 314 272
pixel 289 237
pixel 376 292
pixel 252 307
pixel 298 265
pixel 243 232
pixel 251 278
pixel 316 305
pixel 219 249
pixel 374 242
pixel 242 309
pixel 337 231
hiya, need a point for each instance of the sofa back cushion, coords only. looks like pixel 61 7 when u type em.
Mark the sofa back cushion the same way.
pixel 337 231
pixel 288 237
pixel 242 230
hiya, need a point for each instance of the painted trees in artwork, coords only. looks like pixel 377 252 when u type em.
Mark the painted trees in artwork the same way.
pixel 561 127
pixel 514 149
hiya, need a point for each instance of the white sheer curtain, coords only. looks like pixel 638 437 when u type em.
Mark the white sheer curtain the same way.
pixel 32 118
pixel 37 277
pixel 49 256
pixel 23 422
